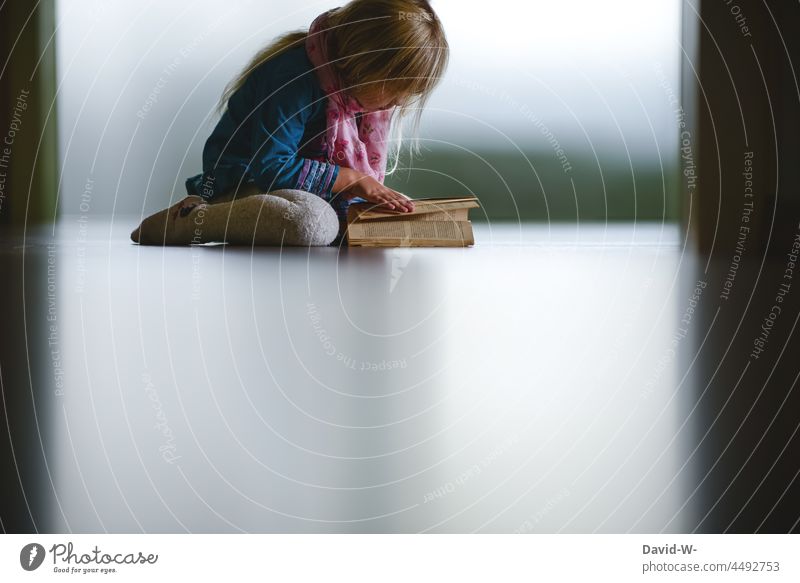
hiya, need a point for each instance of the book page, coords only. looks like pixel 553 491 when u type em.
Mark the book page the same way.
pixel 410 230
pixel 449 215
pixel 368 211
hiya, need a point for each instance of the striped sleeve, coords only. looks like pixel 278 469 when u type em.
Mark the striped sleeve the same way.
pixel 318 178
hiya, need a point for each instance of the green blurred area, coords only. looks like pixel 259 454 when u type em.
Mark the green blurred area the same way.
pixel 536 186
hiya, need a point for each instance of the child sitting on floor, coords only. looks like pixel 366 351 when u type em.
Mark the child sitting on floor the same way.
pixel 306 130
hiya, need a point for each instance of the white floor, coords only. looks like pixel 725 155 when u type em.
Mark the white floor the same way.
pixel 527 384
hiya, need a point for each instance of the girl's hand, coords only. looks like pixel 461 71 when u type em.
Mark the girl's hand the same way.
pixel 353 183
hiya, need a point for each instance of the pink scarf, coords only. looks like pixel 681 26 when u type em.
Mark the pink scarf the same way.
pixel 361 146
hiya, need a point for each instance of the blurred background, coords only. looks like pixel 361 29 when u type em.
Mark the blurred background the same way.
pixel 558 111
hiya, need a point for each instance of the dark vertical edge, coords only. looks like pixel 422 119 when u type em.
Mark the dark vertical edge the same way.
pixel 28 130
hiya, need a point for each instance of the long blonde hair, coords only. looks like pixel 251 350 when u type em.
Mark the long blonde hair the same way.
pixel 398 43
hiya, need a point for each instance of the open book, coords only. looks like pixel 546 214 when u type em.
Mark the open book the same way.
pixel 434 222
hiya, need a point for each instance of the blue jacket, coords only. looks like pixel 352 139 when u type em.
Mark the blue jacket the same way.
pixel 272 133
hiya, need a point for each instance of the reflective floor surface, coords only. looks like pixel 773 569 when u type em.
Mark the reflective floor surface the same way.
pixel 531 383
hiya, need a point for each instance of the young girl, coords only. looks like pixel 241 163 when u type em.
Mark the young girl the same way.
pixel 309 122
